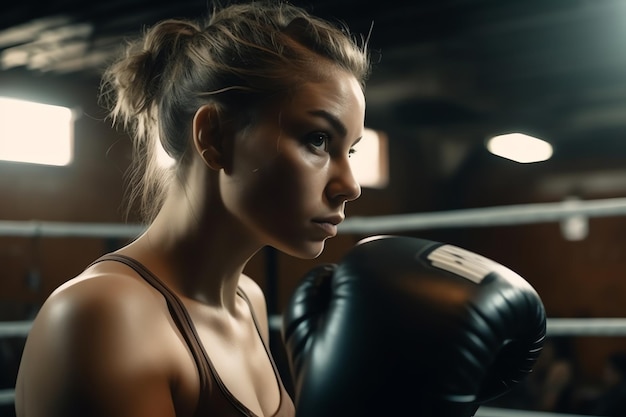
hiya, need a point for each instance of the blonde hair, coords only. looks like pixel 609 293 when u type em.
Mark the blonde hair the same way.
pixel 242 54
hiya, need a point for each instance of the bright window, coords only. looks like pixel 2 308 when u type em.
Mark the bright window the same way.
pixel 35 133
pixel 370 162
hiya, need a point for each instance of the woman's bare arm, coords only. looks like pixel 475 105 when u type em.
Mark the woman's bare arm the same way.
pixel 92 352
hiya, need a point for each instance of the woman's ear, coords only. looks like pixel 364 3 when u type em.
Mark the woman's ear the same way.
pixel 207 136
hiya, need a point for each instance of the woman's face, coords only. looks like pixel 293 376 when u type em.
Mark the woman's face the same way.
pixel 290 176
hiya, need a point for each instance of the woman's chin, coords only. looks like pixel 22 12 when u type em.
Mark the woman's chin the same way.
pixel 310 250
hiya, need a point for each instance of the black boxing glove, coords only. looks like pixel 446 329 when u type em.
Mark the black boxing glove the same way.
pixel 409 327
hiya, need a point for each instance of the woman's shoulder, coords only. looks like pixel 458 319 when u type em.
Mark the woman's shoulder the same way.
pixel 99 336
pixel 104 302
pixel 104 287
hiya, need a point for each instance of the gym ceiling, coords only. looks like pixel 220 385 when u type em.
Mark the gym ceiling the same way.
pixel 447 73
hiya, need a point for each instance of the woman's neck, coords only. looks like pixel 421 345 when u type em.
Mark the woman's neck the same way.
pixel 196 246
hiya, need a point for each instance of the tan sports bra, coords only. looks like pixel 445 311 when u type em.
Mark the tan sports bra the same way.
pixel 213 402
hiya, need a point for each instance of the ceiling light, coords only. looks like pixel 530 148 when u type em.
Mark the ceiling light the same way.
pixel 520 148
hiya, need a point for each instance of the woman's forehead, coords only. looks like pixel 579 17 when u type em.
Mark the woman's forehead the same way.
pixel 340 95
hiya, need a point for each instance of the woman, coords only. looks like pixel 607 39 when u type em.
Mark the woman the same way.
pixel 260 110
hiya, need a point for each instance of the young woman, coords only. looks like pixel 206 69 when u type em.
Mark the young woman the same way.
pixel 260 109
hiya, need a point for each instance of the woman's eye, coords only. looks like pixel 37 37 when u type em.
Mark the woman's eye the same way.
pixel 319 140
pixel 351 152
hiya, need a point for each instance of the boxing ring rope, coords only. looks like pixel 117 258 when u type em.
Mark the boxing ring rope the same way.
pixel 7 396
pixel 14 328
pixel 475 217
pixel 35 228
pixel 601 327
pixel 486 216
pixel 507 412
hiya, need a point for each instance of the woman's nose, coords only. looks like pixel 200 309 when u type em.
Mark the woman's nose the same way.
pixel 343 185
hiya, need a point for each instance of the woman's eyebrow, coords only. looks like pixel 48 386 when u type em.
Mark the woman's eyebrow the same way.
pixel 332 119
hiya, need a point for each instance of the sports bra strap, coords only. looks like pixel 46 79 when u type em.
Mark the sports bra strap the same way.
pixel 179 314
pixel 207 373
